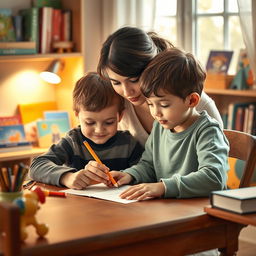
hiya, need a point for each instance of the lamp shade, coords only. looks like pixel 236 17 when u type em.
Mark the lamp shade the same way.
pixel 51 74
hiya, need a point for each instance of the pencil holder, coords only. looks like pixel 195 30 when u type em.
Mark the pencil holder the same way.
pixel 9 196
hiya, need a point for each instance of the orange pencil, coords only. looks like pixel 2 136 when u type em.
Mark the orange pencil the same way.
pixel 96 158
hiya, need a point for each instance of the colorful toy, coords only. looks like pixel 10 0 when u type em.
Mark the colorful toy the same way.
pixel 29 206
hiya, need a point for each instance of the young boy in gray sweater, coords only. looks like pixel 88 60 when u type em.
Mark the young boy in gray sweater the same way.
pixel 68 163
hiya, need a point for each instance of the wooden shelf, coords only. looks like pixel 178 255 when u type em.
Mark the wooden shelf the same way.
pixel 22 154
pixel 242 93
pixel 39 56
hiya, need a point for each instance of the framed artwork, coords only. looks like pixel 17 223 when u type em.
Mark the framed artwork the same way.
pixel 219 61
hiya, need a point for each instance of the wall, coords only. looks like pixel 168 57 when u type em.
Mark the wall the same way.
pixel 92 33
pixel 20 83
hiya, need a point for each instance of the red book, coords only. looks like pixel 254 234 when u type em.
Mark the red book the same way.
pixel 56 25
pixel 10 120
pixel 239 120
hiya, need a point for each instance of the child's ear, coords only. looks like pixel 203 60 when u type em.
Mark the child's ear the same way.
pixel 76 113
pixel 193 99
pixel 121 116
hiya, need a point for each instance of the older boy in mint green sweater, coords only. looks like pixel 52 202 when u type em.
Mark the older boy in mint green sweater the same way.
pixel 186 154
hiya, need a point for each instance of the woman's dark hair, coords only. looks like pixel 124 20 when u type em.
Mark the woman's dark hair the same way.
pixel 173 71
pixel 129 50
pixel 92 93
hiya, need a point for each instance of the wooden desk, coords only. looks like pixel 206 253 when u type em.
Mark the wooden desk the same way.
pixel 87 226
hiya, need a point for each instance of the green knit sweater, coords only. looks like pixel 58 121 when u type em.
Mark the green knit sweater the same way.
pixel 191 163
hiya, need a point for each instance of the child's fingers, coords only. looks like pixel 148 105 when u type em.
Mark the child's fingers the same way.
pixel 138 192
pixel 128 192
pixel 99 166
pixel 94 173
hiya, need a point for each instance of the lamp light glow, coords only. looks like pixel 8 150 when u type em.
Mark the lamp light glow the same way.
pixel 51 75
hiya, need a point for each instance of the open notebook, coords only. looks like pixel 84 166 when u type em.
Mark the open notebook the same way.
pixel 103 192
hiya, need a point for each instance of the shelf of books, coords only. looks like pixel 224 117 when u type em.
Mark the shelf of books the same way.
pixel 41 29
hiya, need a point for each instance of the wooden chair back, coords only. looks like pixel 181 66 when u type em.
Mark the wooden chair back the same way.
pixel 9 229
pixel 243 147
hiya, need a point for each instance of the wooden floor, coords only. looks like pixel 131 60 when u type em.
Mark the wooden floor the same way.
pixel 246 249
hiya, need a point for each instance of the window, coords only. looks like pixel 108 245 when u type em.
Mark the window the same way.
pixel 200 26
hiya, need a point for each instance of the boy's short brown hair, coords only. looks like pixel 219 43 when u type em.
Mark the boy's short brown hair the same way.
pixel 92 93
pixel 175 72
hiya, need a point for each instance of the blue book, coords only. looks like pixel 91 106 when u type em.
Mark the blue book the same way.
pixel 57 114
pixel 12 137
pixel 17 22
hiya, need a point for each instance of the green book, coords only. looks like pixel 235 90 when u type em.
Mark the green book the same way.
pixel 16 51
pixel 31 24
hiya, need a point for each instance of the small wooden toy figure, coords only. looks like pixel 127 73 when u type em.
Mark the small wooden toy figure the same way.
pixel 29 205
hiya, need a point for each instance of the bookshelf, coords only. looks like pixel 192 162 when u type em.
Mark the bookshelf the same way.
pixel 223 97
pixel 77 9
pixel 13 66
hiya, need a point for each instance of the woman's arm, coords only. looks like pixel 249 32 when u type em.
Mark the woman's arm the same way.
pixel 208 104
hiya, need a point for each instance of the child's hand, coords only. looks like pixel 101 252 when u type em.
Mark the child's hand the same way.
pixel 93 173
pixel 144 191
pixel 121 178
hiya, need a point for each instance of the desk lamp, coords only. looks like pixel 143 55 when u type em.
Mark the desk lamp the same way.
pixel 51 74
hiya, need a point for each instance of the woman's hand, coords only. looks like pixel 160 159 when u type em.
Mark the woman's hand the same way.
pixel 144 191
pixel 92 173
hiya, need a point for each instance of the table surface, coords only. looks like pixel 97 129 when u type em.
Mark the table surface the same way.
pixel 79 224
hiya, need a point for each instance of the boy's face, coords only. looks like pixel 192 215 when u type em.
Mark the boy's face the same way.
pixel 99 126
pixel 170 111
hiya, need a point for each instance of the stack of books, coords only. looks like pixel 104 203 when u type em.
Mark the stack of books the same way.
pixel 16 48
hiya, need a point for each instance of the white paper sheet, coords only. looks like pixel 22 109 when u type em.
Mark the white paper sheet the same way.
pixel 103 192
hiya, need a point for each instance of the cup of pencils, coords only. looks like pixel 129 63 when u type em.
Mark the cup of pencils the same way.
pixel 11 180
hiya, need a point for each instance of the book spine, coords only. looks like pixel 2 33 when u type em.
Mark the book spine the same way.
pixel 56 25
pixel 45 29
pixel 17 51
pixel 251 110
pixel 246 116
pixel 34 26
pixel 17 22
pixel 30 25
pixel 18 144
pixel 230 116
pixel 17 45
pixel 66 25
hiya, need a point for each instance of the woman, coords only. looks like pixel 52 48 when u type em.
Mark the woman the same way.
pixel 124 56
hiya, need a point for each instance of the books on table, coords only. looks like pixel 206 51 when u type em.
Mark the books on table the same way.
pixel 242 200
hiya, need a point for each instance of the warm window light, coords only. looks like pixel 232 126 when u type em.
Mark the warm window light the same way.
pixel 51 75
